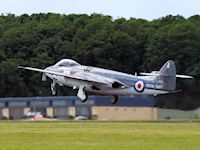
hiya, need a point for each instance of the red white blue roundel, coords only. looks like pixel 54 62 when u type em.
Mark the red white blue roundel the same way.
pixel 139 86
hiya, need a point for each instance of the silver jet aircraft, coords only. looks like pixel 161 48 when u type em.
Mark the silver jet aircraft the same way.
pixel 107 82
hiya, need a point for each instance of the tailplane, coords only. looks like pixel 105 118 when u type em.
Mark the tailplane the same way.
pixel 165 78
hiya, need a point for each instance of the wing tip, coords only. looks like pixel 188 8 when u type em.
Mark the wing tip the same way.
pixel 21 67
pixel 184 76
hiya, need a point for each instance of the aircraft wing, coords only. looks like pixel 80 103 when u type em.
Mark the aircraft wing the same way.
pixel 83 76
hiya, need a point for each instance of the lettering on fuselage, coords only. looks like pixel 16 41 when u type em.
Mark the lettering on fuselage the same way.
pixel 154 86
pixel 88 69
pixel 148 85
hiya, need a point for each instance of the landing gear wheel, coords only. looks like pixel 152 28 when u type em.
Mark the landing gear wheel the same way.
pixel 82 94
pixel 86 97
pixel 114 99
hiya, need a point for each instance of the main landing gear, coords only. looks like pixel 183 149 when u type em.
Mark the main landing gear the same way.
pixel 114 99
pixel 82 94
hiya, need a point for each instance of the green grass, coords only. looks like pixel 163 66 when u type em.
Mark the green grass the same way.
pixel 98 135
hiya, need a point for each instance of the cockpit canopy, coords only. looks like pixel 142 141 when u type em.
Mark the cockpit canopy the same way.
pixel 67 63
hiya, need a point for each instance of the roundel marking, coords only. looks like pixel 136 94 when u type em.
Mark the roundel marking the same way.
pixel 139 86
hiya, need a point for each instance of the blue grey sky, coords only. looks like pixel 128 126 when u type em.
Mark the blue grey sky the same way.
pixel 146 9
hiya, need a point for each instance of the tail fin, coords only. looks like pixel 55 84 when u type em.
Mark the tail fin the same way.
pixel 167 76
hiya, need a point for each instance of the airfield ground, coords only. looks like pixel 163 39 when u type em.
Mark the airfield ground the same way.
pixel 66 135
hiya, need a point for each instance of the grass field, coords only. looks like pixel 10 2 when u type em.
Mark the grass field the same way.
pixel 98 135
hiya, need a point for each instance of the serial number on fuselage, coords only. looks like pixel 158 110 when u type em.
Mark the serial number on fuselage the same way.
pixel 154 86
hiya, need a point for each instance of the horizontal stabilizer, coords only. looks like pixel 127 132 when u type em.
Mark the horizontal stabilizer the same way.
pixel 157 74
pixel 184 76
pixel 149 74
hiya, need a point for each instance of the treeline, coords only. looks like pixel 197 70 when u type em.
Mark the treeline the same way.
pixel 132 45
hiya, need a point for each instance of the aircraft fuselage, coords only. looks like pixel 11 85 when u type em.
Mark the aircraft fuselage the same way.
pixel 150 87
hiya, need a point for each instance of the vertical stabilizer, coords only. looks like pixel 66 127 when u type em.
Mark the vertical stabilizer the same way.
pixel 167 76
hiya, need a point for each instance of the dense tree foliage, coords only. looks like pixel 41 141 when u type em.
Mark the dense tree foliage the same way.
pixel 130 46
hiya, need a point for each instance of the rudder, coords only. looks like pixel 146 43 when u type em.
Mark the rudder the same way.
pixel 167 76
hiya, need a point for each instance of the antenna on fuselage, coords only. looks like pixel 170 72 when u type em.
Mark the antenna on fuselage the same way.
pixel 135 74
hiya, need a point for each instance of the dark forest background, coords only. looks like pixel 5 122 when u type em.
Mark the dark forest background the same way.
pixel 133 45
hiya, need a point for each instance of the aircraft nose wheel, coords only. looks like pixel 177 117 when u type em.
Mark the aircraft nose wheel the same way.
pixel 114 99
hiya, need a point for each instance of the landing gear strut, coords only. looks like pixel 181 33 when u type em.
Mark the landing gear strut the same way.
pixel 114 99
pixel 53 87
pixel 82 94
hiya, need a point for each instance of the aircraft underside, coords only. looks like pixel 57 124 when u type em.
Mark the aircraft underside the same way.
pixel 85 87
